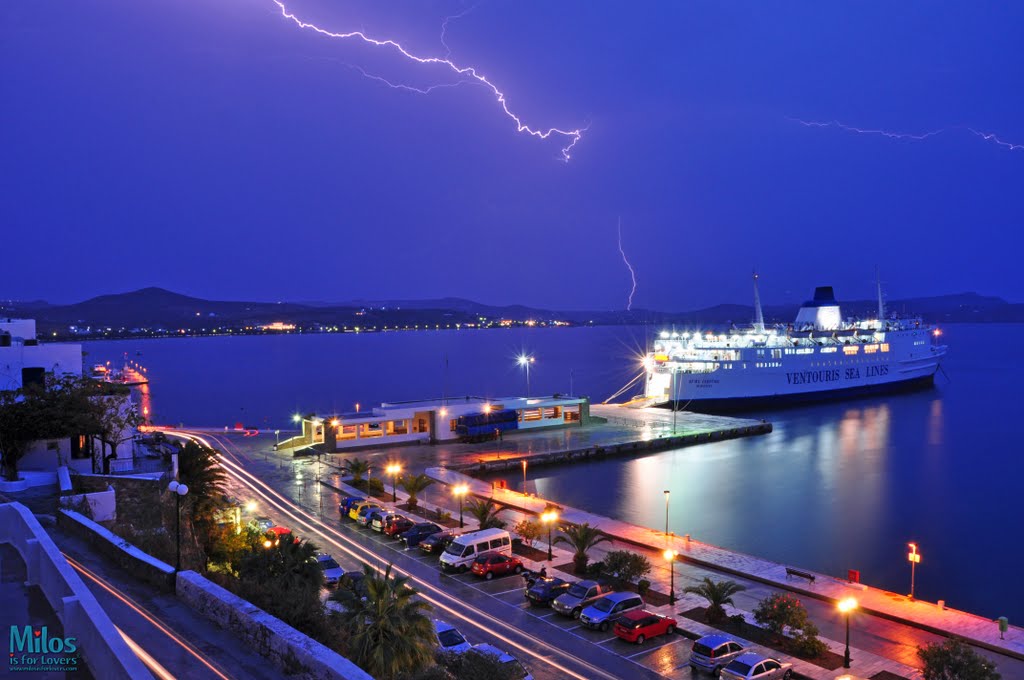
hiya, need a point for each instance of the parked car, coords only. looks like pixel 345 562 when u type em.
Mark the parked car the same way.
pixel 435 543
pixel 712 653
pixel 397 526
pixel 640 625
pixel 354 581
pixel 363 516
pixel 418 533
pixel 449 639
pixel 518 671
pixel 332 571
pixel 543 591
pixel 356 508
pixel 263 523
pixel 462 552
pixel 491 564
pixel 347 502
pixel 603 613
pixel 578 597
pixel 377 518
pixel 752 666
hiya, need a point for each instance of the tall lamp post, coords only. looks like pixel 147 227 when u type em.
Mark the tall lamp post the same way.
pixel 460 490
pixel 525 360
pixel 524 476
pixel 670 555
pixel 914 558
pixel 178 490
pixel 549 518
pixel 845 607
pixel 393 469
pixel 667 494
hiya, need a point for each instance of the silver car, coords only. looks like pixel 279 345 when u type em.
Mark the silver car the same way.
pixel 712 653
pixel 579 596
pixel 603 613
pixel 751 666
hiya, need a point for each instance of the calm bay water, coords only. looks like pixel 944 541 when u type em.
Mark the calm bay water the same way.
pixel 834 487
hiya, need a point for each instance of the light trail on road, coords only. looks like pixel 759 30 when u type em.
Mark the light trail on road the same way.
pixel 184 644
pixel 438 598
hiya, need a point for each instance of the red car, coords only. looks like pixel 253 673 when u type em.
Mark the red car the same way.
pixel 397 525
pixel 492 564
pixel 639 625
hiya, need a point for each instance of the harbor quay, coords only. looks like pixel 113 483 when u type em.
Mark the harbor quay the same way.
pixel 888 628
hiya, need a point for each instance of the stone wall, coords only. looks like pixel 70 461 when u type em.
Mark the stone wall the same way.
pixel 291 652
pixel 115 548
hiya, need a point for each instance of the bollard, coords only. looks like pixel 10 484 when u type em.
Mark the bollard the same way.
pixel 1004 625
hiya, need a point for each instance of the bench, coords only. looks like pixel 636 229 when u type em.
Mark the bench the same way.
pixel 790 571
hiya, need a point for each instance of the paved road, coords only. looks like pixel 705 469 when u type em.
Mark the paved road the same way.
pixel 180 640
pixel 550 646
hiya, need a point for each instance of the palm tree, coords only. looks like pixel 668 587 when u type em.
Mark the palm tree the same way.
pixel 413 485
pixel 485 511
pixel 357 468
pixel 389 632
pixel 581 538
pixel 718 594
pixel 199 469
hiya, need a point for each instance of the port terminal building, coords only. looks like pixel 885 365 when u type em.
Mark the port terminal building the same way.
pixel 431 421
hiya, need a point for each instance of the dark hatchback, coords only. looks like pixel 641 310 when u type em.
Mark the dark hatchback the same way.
pixel 347 502
pixel 435 544
pixel 544 590
pixel 418 532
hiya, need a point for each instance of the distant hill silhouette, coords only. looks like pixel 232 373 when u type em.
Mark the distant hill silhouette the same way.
pixel 156 307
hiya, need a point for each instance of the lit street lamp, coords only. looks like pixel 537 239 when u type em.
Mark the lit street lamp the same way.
pixel 525 360
pixel 524 476
pixel 460 490
pixel 549 518
pixel 178 490
pixel 845 607
pixel 393 469
pixel 914 558
pixel 670 555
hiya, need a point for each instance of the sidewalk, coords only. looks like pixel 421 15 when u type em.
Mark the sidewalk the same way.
pixel 865 664
pixel 927 616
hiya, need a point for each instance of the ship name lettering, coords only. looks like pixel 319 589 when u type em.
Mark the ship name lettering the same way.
pixel 873 371
pixel 852 373
pixel 810 377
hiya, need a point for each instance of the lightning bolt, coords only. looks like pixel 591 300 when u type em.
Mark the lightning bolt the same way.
pixel 987 136
pixel 444 27
pixel 468 72
pixel 402 86
pixel 632 273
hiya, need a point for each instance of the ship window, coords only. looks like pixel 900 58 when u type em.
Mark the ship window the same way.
pixel 884 347
pixel 851 349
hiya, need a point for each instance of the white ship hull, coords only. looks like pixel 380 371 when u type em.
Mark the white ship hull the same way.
pixel 717 373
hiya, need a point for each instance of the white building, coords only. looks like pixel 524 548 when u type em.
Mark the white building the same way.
pixel 23 359
pixel 432 420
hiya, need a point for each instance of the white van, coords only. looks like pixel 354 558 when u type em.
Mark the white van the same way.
pixel 461 552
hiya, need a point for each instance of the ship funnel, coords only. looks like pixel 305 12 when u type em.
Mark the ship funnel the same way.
pixel 820 314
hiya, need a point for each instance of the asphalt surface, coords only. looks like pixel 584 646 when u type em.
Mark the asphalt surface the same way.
pixel 181 640
pixel 549 645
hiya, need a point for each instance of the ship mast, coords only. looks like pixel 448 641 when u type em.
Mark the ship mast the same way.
pixel 758 314
pixel 881 304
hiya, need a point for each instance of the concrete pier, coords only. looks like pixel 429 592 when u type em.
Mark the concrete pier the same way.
pixel 627 431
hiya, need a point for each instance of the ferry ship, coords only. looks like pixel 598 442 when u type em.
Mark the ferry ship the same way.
pixel 819 356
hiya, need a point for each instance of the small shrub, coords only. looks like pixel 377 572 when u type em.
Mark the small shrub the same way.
pixel 596 569
pixel 443 515
pixel 953 660
pixel 529 529
pixel 642 586
pixel 626 566
pixel 375 486
pixel 738 619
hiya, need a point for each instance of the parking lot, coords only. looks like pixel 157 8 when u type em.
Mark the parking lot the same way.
pixel 665 655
